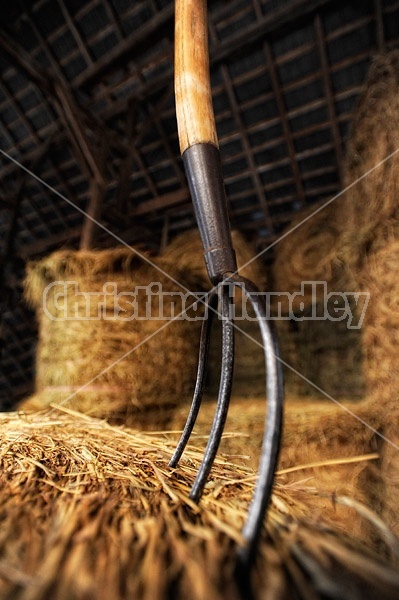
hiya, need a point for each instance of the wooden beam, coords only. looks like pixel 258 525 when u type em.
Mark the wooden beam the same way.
pixel 165 233
pixel 74 121
pixel 379 24
pixel 285 124
pixel 125 171
pixel 163 22
pixel 253 170
pixel 56 240
pixel 11 233
pixel 75 32
pixel 44 45
pixel 273 23
pixel 134 44
pixel 93 213
pixel 329 94
pixel 161 203
pixel 18 57
pixel 72 234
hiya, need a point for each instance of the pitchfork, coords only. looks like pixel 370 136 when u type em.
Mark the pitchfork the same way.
pixel 200 153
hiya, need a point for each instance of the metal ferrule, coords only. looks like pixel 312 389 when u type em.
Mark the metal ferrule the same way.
pixel 204 174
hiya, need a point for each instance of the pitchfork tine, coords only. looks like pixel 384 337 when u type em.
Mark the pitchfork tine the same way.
pixel 226 378
pixel 201 158
pixel 210 306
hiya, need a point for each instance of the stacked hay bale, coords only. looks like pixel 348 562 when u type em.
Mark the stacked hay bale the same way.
pixel 307 269
pixel 361 234
pixel 333 245
pixel 369 215
pixel 380 275
pixel 91 510
pixel 381 332
pixel 317 451
pixel 307 251
pixel 101 353
pixel 99 347
pixel 370 247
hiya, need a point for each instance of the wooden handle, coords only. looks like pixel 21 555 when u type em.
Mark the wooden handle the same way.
pixel 194 110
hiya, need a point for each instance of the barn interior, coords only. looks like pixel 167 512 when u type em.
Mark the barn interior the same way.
pixel 285 79
pixel 306 103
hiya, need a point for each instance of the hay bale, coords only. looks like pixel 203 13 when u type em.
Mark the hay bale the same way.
pixel 93 356
pixel 292 353
pixel 75 352
pixel 324 352
pixel 369 212
pixel 369 220
pixel 380 277
pixel 322 446
pixel 249 360
pixel 319 344
pixel 333 245
pixel 309 253
pixel 92 511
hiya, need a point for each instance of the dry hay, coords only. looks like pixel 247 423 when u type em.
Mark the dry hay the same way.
pixel 91 510
pixel 369 213
pixel 361 223
pixel 316 354
pixel 101 365
pixel 321 354
pixel 76 356
pixel 380 277
pixel 321 446
pixel 186 252
pixel 321 349
pixel 292 353
pixel 307 251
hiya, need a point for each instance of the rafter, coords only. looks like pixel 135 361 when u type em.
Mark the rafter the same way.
pixel 278 94
pixel 328 92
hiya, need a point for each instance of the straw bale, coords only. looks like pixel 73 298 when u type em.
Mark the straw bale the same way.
pixel 72 353
pixel 380 277
pixel 91 510
pixel 370 249
pixel 325 438
pixel 249 360
pixel 294 354
pixel 324 351
pixel 369 215
pixel 319 344
pixel 316 354
pixel 101 364
pixel 307 251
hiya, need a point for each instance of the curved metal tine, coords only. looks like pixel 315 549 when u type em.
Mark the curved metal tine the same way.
pixel 273 426
pixel 226 378
pixel 211 305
